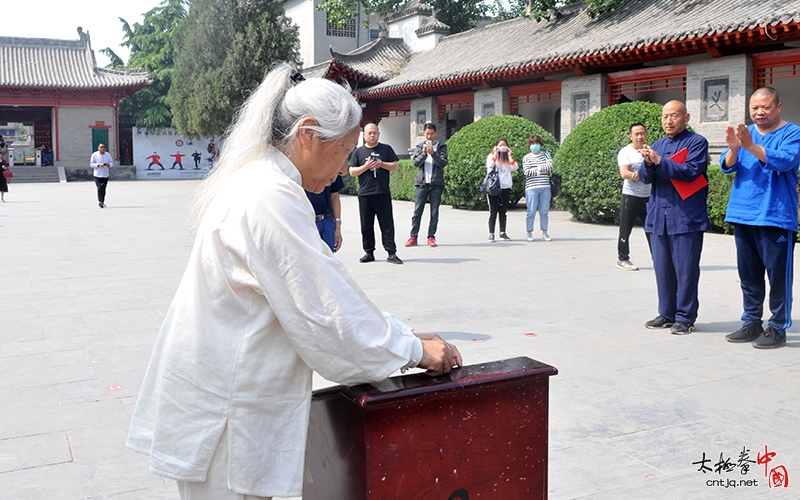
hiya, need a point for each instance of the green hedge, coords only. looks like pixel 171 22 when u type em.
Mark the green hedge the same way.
pixel 719 189
pixel 401 183
pixel 587 161
pixel 467 150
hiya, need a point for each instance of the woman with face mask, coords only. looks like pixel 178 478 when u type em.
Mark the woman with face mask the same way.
pixel 537 166
pixel 500 158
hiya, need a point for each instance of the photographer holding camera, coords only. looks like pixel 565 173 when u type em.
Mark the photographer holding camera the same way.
pixel 372 163
pixel 101 163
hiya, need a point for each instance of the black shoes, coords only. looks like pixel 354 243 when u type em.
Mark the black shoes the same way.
pixel 393 258
pixel 747 333
pixel 659 322
pixel 681 328
pixel 675 327
pixel 370 257
pixel 770 339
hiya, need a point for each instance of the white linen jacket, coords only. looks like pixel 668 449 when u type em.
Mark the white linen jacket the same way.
pixel 262 303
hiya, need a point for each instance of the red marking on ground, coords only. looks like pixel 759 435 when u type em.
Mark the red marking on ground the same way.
pixel 649 476
pixel 530 334
pixel 115 387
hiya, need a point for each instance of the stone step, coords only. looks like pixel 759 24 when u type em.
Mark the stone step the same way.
pixel 34 174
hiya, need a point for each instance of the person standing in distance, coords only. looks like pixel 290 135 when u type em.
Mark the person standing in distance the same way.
pixel 763 210
pixel 430 158
pixel 675 224
pixel 371 163
pixel 328 213
pixel 635 194
pixel 101 163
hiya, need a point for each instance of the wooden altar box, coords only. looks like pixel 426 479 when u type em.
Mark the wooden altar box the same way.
pixel 478 433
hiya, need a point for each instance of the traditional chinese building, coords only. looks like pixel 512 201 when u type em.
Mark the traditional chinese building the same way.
pixel 56 86
pixel 710 54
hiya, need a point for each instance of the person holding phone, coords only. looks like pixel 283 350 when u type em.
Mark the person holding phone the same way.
pixel 430 158
pixel 372 163
pixel 500 159
pixel 101 163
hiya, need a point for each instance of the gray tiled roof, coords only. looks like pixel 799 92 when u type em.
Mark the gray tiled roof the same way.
pixel 408 9
pixel 433 25
pixel 378 60
pixel 522 43
pixel 41 62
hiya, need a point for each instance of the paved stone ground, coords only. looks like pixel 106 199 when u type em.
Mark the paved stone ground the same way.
pixel 83 292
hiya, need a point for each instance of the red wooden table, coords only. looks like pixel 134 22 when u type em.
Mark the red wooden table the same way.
pixel 479 432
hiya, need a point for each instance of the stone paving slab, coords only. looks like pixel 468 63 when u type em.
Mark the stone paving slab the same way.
pixel 83 292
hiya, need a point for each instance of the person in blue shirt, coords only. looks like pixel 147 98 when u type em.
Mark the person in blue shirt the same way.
pixel 676 225
pixel 328 213
pixel 763 210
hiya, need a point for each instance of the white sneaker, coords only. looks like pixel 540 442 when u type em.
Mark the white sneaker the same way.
pixel 626 265
pixel 546 237
pixel 529 237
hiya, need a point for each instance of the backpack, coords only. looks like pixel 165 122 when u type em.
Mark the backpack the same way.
pixel 491 183
pixel 555 184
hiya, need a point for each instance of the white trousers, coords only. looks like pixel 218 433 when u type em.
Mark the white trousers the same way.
pixel 215 487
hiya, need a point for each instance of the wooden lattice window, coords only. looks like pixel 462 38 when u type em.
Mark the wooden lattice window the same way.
pixel 770 66
pixel 646 80
pixel 333 29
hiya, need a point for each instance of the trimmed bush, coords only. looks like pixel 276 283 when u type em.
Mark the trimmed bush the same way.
pixel 467 150
pixel 401 183
pixel 350 185
pixel 719 190
pixel 587 161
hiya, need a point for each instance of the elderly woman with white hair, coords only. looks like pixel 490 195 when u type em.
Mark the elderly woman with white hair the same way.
pixel 224 405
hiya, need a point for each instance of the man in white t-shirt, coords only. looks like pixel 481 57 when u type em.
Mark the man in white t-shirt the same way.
pixel 635 194
pixel 101 163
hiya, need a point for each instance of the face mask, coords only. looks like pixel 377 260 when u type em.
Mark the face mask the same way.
pixel 502 149
pixel 535 148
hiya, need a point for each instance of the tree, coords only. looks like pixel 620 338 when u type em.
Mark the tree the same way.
pixel 152 48
pixel 225 49
pixel 460 15
pixel 544 9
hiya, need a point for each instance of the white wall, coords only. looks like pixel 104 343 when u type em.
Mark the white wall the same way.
pixel 543 114
pixel 405 28
pixel 394 132
pixel 302 14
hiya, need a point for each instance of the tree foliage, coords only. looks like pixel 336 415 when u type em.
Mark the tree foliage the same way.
pixel 468 148
pixel 460 15
pixel 544 9
pixel 151 48
pixel 226 49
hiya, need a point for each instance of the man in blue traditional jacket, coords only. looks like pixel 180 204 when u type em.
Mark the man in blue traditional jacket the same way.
pixel 677 216
pixel 763 210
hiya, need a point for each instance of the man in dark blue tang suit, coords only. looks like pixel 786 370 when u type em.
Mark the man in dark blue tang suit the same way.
pixel 677 216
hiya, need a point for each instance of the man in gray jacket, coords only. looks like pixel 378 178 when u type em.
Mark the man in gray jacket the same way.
pixel 430 158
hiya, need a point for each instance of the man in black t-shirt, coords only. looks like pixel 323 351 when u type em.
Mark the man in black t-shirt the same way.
pixel 372 163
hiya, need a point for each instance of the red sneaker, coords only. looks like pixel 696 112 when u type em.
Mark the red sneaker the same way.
pixel 412 242
pixel 431 241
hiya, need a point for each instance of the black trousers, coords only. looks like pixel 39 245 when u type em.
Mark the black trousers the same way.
pixel 380 206
pixel 631 208
pixel 101 183
pixel 498 205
